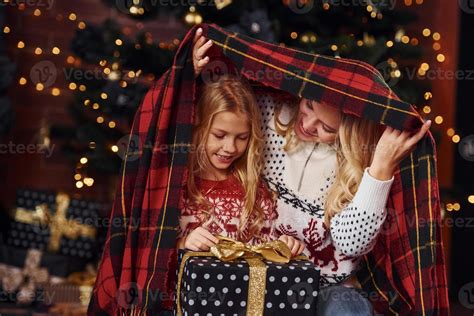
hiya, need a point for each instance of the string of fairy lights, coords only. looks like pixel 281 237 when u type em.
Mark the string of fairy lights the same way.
pixel 112 71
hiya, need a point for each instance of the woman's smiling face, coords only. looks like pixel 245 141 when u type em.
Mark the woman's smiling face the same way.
pixel 316 122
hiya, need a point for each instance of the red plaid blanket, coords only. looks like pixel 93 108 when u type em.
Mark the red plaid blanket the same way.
pixel 405 272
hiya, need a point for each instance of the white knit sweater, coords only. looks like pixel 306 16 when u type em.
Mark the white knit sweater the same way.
pixel 336 251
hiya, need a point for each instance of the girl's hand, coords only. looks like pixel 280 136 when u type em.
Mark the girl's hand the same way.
pixel 200 239
pixel 393 146
pixel 294 244
pixel 200 48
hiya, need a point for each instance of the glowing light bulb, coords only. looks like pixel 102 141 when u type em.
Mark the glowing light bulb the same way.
pixel 470 198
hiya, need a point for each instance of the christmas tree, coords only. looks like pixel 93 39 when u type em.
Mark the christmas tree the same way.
pixel 372 31
pixel 107 97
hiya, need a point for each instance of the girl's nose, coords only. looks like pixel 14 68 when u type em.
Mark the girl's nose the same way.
pixel 229 146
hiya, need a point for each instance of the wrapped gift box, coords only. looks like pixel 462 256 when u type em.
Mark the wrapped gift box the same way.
pixel 72 294
pixel 55 223
pixel 75 291
pixel 25 272
pixel 210 286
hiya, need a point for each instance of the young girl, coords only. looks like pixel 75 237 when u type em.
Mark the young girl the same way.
pixel 224 194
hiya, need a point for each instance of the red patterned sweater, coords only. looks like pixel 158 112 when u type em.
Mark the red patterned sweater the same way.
pixel 227 200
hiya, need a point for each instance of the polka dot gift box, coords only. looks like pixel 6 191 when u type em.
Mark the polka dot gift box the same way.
pixel 210 286
pixel 54 223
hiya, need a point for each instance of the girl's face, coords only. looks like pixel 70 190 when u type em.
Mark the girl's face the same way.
pixel 316 122
pixel 227 141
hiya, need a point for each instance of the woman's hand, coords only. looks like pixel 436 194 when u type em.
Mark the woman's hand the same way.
pixel 393 146
pixel 200 239
pixel 294 244
pixel 200 48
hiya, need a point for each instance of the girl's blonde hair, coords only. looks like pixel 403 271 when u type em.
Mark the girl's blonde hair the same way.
pixel 234 95
pixel 355 143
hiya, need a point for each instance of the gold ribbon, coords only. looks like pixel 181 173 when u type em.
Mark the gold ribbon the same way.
pixel 58 223
pixel 228 249
pixel 83 278
pixel 25 279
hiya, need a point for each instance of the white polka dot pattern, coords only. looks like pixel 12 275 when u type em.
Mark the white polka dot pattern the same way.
pixel 354 230
pixel 288 290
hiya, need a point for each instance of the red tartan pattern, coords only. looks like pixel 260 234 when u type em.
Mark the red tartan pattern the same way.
pixel 405 272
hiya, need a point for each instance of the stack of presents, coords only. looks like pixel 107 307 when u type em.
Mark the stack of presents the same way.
pixel 48 254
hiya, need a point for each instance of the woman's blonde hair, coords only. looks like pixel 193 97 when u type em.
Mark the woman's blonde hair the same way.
pixel 229 94
pixel 355 143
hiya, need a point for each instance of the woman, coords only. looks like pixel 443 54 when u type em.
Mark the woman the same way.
pixel 333 173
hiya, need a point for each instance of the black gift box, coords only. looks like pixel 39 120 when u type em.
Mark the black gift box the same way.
pixel 212 287
pixel 31 234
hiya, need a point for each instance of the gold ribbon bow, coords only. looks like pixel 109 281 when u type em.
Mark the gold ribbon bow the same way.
pixel 25 279
pixel 228 249
pixel 59 224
